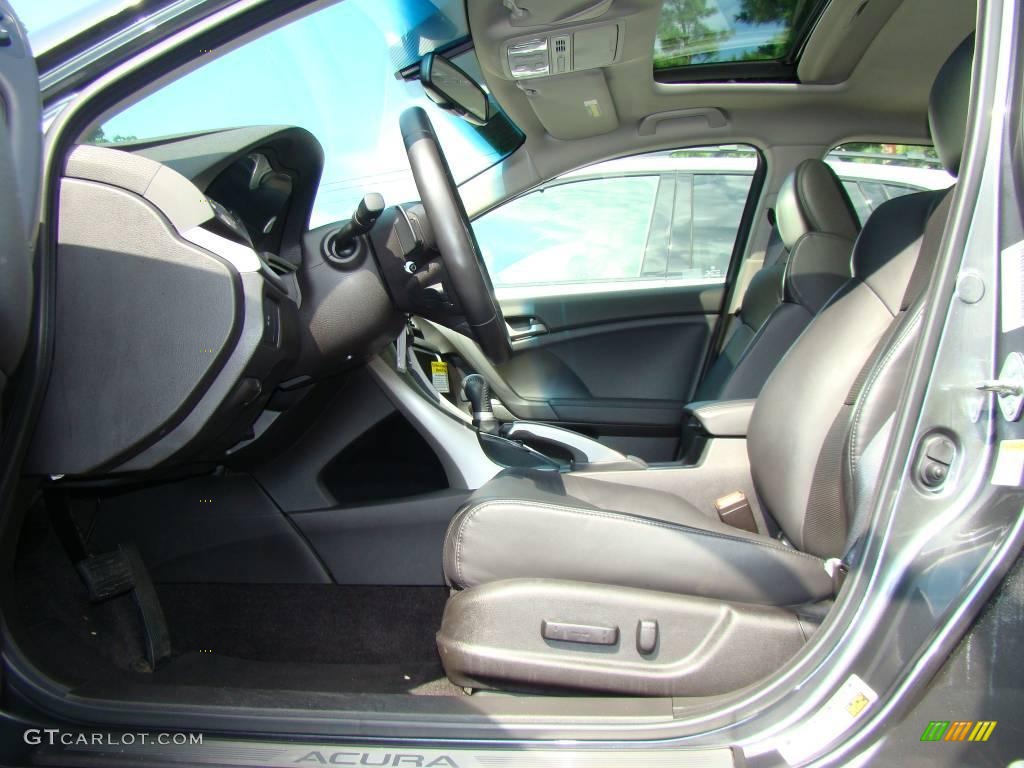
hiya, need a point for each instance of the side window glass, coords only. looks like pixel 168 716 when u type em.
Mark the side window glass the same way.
pixel 897 190
pixel 658 220
pixel 874 193
pixel 681 244
pixel 860 202
pixel 875 172
pixel 591 230
pixel 718 201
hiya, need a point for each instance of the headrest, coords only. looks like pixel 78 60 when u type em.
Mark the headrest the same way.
pixel 947 105
pixel 812 199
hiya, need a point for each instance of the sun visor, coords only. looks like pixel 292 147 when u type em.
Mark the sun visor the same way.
pixel 572 106
pixel 537 14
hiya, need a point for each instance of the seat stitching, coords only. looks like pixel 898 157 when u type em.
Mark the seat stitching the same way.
pixel 875 374
pixel 614 516
pixel 789 280
pixel 466 516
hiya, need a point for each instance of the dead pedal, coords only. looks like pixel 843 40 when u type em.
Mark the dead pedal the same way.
pixel 118 573
pixel 107 575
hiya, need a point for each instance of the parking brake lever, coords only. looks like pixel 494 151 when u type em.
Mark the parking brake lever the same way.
pixel 478 392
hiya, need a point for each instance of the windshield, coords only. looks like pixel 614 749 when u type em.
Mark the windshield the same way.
pixel 334 74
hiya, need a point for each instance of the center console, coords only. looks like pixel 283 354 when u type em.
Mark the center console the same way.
pixel 535 444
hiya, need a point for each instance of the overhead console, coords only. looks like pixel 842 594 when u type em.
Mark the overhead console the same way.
pixel 561 75
pixel 556 54
pixel 562 52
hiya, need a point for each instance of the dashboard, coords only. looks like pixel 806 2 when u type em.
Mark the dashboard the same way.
pixel 253 199
pixel 191 299
pixel 265 177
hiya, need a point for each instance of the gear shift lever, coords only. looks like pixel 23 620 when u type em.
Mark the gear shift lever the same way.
pixel 478 391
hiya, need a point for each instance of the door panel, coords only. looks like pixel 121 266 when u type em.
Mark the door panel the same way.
pixel 614 361
pixel 578 310
pixel 21 170
pixel 624 381
pixel 612 279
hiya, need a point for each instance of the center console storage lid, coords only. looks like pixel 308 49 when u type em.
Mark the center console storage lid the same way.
pixel 544 634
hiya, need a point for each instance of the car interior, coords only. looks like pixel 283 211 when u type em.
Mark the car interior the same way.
pixel 281 463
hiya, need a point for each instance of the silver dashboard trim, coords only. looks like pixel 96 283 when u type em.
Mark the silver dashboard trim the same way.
pixel 447 430
pixel 241 257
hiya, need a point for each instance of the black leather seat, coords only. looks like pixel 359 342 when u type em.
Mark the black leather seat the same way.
pixel 816 226
pixel 814 441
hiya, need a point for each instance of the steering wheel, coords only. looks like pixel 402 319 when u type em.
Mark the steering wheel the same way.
pixel 463 262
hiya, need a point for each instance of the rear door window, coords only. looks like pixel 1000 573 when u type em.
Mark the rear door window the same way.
pixel 875 172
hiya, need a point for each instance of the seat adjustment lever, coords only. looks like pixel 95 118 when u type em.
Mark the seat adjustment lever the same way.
pixel 578 633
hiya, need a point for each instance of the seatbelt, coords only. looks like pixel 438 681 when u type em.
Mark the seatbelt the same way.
pixel 775 248
pixel 774 252
pixel 827 487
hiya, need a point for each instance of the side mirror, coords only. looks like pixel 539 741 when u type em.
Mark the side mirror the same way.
pixel 453 90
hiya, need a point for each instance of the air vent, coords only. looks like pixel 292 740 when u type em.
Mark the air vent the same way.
pixel 279 265
pixel 560 60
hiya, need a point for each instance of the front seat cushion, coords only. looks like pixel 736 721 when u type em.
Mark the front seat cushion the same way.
pixel 545 525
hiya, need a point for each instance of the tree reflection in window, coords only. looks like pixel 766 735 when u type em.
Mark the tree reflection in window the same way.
pixel 718 31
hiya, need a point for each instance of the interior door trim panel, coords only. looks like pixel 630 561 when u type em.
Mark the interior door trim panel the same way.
pixel 656 340
pixel 578 310
pixel 638 372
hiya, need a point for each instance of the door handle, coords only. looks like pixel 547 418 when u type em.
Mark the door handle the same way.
pixel 532 327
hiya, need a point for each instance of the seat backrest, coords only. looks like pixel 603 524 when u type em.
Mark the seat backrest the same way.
pixel 850 349
pixel 816 225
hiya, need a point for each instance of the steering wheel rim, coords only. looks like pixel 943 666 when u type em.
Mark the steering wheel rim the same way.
pixel 459 250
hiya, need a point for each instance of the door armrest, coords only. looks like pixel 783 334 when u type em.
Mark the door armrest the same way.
pixel 722 418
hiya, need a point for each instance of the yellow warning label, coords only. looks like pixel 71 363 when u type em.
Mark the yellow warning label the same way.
pixel 1009 468
pixel 439 376
pixel 859 702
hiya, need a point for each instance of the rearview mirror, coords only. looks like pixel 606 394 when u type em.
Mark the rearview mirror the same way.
pixel 453 90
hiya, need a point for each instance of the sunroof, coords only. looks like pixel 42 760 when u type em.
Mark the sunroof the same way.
pixel 693 32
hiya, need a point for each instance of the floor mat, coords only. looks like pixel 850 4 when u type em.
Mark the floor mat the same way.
pixel 421 678
pixel 324 623
pixel 321 637
pixel 317 638
pixel 67 635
